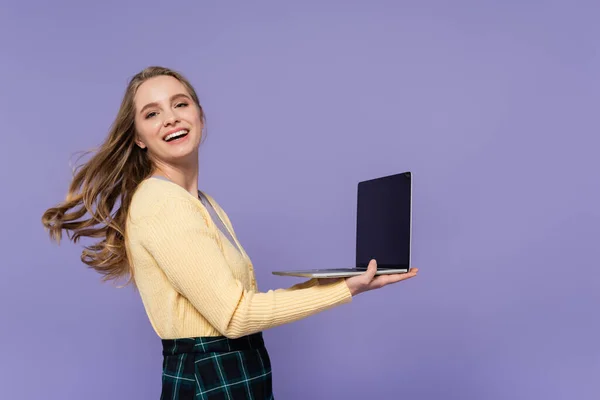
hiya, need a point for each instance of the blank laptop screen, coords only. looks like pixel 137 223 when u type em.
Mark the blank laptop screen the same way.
pixel 384 221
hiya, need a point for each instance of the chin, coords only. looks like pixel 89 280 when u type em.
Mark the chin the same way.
pixel 181 154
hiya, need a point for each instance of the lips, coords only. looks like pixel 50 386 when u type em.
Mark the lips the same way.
pixel 175 135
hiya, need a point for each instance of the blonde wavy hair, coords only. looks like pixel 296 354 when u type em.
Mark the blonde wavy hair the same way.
pixel 98 199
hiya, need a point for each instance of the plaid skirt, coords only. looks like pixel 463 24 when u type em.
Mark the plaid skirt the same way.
pixel 212 368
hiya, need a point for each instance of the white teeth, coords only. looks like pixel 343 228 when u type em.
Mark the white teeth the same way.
pixel 176 134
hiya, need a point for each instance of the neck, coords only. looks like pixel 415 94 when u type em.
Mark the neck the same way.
pixel 185 176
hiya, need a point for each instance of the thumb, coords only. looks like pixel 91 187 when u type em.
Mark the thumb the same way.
pixel 371 270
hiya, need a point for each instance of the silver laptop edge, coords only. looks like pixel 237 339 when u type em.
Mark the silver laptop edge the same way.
pixel 337 274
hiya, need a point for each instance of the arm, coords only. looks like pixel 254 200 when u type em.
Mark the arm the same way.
pixel 186 249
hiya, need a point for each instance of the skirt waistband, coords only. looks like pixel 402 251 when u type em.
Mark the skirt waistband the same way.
pixel 211 344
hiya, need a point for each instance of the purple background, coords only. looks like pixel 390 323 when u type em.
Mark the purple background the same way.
pixel 493 105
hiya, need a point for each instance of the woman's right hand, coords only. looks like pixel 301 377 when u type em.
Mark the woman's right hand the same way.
pixel 368 280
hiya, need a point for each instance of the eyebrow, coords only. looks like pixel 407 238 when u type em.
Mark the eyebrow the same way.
pixel 175 96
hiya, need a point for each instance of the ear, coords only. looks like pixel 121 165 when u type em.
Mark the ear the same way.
pixel 140 144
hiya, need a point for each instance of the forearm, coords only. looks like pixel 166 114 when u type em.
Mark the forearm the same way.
pixel 260 311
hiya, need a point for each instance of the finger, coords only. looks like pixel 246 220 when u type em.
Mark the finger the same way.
pixel 405 275
pixel 383 280
pixel 371 270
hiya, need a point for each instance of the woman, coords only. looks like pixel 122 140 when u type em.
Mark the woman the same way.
pixel 140 194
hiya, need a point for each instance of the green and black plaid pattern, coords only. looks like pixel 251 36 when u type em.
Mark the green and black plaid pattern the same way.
pixel 214 368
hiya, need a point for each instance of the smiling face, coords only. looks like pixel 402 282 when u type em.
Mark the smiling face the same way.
pixel 168 122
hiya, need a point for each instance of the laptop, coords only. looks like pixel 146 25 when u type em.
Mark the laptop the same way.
pixel 383 229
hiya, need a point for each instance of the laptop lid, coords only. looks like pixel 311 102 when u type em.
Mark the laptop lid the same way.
pixel 384 221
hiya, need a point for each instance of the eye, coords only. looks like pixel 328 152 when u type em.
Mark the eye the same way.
pixel 150 114
pixel 181 104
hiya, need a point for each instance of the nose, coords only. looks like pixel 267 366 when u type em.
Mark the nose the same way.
pixel 170 118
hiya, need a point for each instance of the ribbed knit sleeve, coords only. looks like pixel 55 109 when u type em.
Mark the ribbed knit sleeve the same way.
pixel 186 249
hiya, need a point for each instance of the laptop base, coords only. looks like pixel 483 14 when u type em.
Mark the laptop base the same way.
pixel 338 272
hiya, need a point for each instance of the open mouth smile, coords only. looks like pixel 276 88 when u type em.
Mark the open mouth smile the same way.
pixel 176 136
